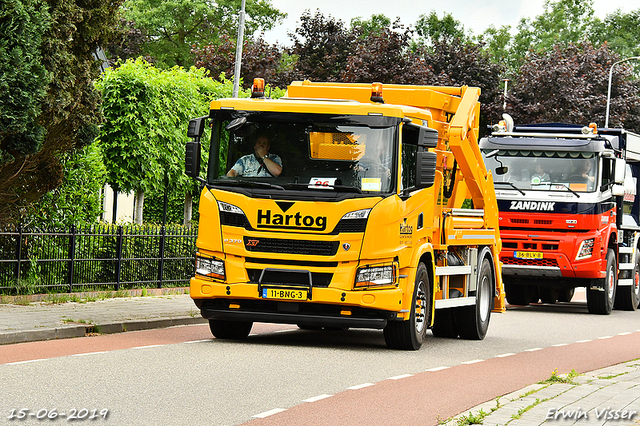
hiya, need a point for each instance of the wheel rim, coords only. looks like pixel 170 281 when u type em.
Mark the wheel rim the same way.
pixel 610 283
pixel 421 308
pixel 485 298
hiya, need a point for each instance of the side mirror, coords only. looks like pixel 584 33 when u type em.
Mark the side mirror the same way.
pixel 196 127
pixel 192 160
pixel 619 168
pixel 617 190
pixel 425 169
pixel 502 170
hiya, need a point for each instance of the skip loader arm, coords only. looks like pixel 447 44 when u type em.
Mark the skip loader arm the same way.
pixel 462 135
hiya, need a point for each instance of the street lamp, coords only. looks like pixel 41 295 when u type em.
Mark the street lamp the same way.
pixel 606 119
pixel 236 69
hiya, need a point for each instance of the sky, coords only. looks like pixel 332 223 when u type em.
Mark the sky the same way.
pixel 475 15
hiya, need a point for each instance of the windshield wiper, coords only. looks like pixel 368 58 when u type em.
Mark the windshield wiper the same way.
pixel 568 189
pixel 246 183
pixel 344 188
pixel 511 185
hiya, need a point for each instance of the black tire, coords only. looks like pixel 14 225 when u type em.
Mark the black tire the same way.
pixel 473 321
pixel 566 294
pixel 410 334
pixel 230 329
pixel 444 324
pixel 628 297
pixel 548 295
pixel 518 294
pixel 600 301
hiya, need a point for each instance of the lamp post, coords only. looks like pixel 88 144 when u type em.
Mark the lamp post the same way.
pixel 606 119
pixel 236 69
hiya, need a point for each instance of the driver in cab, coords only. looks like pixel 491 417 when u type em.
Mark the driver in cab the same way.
pixel 258 164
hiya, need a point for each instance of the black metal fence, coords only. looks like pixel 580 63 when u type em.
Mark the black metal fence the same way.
pixel 97 257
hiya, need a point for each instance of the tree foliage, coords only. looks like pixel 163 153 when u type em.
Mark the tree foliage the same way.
pixel 175 26
pixel 432 29
pixel 69 111
pixel 568 84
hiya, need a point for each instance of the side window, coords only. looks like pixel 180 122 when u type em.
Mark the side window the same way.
pixel 408 165
pixel 607 171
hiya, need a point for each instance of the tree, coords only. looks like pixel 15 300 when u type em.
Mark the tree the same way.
pixel 431 29
pixel 175 26
pixel 375 25
pixel 563 21
pixel 323 46
pixel 69 111
pixel 259 59
pixel 620 31
pixel 77 201
pixel 568 84
pixel 385 56
pixel 148 111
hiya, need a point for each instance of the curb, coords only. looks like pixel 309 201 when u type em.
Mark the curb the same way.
pixel 69 331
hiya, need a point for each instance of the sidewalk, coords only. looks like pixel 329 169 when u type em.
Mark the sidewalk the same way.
pixel 40 321
pixel 594 398
pixel 609 396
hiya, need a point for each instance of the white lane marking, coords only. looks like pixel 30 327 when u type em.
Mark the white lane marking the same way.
pixel 624 334
pixel 472 362
pixel 533 350
pixel 90 353
pixel 583 341
pixel 505 355
pixel 402 376
pixel 604 337
pixel 437 369
pixel 317 398
pixel 26 362
pixel 199 341
pixel 269 413
pixel 145 347
pixel 560 344
pixel 364 385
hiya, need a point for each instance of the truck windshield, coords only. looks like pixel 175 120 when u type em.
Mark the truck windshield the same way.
pixel 303 152
pixel 545 170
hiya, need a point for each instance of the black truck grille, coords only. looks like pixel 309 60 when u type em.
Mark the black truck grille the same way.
pixel 277 245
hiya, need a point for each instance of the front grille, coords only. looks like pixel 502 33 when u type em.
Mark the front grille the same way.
pixel 530 262
pixel 277 245
pixel 319 279
pixel 519 220
pixel 542 222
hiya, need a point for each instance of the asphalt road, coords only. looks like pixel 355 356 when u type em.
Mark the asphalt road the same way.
pixel 182 376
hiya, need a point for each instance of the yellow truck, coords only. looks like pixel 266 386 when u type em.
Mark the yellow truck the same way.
pixel 347 206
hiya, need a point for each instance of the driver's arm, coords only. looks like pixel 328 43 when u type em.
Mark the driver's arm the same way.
pixel 273 167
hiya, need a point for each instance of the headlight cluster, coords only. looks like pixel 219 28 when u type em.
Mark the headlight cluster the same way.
pixel 210 267
pixel 358 214
pixel 376 275
pixel 586 249
pixel 229 208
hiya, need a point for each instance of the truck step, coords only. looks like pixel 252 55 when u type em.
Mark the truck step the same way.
pixel 625 266
pixel 625 250
pixel 625 282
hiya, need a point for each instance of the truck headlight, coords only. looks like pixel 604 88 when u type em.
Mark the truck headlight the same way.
pixel 210 267
pixel 586 249
pixel 229 208
pixel 383 274
pixel 358 214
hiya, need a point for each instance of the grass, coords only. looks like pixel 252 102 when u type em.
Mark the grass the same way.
pixel 561 378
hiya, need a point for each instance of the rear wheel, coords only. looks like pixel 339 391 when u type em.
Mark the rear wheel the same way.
pixel 566 294
pixel 548 294
pixel 473 321
pixel 600 300
pixel 230 329
pixel 519 294
pixel 409 335
pixel 628 297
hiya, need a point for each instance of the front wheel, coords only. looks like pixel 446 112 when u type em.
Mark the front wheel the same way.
pixel 600 299
pixel 473 321
pixel 409 335
pixel 230 329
